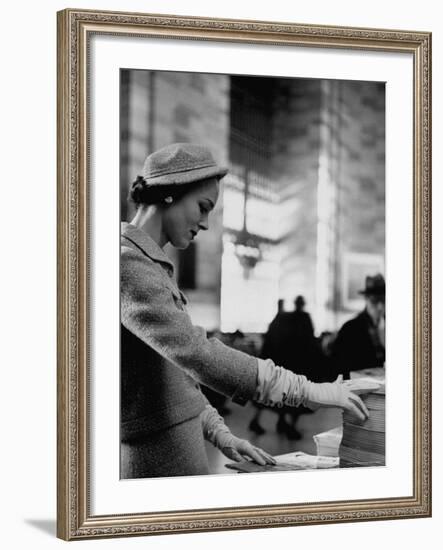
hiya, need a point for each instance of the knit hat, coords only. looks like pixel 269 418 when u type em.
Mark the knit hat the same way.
pixel 181 163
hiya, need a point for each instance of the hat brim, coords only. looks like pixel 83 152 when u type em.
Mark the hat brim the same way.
pixel 189 176
pixel 380 292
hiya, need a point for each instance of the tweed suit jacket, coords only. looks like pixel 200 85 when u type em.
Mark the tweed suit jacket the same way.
pixel 164 357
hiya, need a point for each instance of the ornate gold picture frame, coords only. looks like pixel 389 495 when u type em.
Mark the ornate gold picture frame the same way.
pixel 76 518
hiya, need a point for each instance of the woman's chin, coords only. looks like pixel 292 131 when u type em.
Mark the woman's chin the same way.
pixel 182 244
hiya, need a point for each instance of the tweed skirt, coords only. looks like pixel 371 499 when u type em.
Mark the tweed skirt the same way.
pixel 176 451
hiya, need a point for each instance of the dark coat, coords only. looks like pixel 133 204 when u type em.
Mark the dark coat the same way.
pixel 164 357
pixel 290 343
pixel 357 346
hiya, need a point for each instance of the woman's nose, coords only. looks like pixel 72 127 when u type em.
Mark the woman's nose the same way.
pixel 204 223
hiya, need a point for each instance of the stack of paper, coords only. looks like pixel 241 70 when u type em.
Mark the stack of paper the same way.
pixel 306 461
pixel 328 443
pixel 363 443
pixel 288 462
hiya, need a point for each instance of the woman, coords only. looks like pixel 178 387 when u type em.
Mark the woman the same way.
pixel 165 416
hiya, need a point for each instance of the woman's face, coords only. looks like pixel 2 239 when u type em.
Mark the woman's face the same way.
pixel 183 219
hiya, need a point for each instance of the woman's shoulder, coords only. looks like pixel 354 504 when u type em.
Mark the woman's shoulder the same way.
pixel 139 274
pixel 128 248
pixel 131 257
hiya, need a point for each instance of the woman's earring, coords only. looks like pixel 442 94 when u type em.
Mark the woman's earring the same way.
pixel 168 200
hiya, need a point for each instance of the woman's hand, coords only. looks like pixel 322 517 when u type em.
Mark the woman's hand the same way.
pixel 238 449
pixel 216 431
pixel 336 395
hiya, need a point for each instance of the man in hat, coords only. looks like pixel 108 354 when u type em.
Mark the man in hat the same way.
pixel 360 342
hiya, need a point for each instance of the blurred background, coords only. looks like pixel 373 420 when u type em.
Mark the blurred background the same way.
pixel 301 212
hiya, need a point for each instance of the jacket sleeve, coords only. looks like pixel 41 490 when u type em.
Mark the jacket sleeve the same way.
pixel 150 312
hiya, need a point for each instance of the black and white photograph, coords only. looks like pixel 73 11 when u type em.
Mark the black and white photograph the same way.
pixel 205 204
pixel 252 274
pixel 234 197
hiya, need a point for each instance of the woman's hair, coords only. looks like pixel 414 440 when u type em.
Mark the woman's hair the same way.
pixel 141 193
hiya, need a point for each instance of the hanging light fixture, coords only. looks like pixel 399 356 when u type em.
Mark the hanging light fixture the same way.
pixel 247 247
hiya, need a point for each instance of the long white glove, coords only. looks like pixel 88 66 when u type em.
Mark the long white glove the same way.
pixel 278 387
pixel 216 431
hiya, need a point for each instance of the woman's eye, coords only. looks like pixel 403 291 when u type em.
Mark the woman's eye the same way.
pixel 202 209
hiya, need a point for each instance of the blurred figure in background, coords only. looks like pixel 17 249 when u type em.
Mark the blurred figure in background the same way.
pixel 290 342
pixel 360 343
pixel 303 324
pixel 268 344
